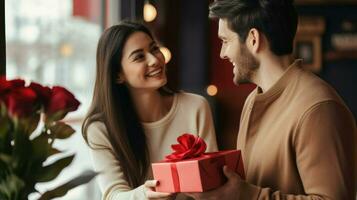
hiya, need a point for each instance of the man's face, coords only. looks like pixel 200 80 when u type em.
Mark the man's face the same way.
pixel 245 65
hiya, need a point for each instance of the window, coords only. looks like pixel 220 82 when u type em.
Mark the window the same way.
pixel 54 43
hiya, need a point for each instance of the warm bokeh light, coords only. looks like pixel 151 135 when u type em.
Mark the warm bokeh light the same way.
pixel 150 12
pixel 167 54
pixel 212 90
pixel 66 50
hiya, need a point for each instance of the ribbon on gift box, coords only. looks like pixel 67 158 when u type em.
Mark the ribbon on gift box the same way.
pixel 219 158
pixel 175 177
pixel 191 147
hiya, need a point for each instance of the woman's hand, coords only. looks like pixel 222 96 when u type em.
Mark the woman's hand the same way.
pixel 150 193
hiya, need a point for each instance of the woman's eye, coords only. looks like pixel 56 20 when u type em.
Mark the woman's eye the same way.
pixel 138 57
pixel 155 49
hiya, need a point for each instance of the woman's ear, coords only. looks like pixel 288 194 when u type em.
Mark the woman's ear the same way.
pixel 254 40
pixel 120 79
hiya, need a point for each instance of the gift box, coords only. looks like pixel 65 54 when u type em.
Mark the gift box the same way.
pixel 201 173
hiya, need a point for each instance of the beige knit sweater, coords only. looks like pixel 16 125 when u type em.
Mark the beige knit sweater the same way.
pixel 189 114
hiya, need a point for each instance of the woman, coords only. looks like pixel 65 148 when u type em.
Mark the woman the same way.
pixel 134 118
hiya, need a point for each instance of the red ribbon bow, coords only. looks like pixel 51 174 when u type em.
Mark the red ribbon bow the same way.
pixel 189 146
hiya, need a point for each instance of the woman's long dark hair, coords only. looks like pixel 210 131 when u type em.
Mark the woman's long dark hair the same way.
pixel 113 106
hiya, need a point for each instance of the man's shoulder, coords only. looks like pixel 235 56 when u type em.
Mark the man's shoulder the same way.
pixel 310 89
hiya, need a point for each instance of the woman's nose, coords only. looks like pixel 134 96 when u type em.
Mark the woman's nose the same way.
pixel 152 60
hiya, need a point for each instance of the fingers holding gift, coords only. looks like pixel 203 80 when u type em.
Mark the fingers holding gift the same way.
pixel 211 195
pixel 223 192
pixel 157 195
pixel 151 194
pixel 230 174
pixel 151 183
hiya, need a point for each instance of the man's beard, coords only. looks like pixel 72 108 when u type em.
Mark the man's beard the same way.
pixel 246 65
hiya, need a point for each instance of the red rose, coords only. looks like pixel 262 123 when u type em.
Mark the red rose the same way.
pixel 3 83
pixel 10 97
pixel 16 83
pixel 6 86
pixel 61 102
pixel 3 88
pixel 21 102
pixel 189 146
pixel 43 93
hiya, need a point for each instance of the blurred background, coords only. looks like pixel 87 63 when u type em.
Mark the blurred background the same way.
pixel 54 42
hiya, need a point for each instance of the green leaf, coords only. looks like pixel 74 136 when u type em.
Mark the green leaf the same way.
pixel 53 151
pixel 5 135
pixel 22 150
pixel 49 119
pixel 5 158
pixel 41 151
pixel 30 124
pixel 5 165
pixel 5 125
pixel 3 110
pixel 40 155
pixel 42 148
pixel 60 191
pixel 11 187
pixel 61 130
pixel 51 171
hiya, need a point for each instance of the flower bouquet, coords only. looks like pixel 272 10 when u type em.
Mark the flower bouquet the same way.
pixel 30 121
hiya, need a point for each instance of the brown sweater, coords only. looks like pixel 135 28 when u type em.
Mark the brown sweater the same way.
pixel 298 141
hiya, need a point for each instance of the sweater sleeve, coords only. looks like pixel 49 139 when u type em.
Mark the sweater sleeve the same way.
pixel 111 179
pixel 206 126
pixel 325 148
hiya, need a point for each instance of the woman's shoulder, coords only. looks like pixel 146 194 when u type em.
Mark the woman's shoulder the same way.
pixel 97 133
pixel 96 126
pixel 195 100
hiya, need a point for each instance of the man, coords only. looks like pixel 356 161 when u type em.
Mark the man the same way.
pixel 298 138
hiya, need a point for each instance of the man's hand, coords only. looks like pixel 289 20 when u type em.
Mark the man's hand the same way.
pixel 226 192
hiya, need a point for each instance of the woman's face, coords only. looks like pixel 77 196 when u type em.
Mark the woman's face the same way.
pixel 143 63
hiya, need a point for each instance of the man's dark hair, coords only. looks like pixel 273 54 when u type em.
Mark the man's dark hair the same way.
pixel 276 19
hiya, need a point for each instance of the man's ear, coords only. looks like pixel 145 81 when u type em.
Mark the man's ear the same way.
pixel 254 40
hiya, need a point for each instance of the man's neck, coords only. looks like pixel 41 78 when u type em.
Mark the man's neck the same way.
pixel 270 70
